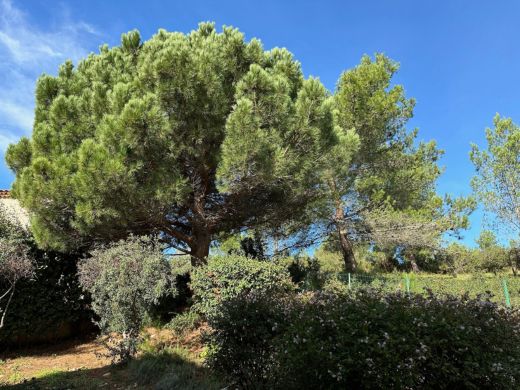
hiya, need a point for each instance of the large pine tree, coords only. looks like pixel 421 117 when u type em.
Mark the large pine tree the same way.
pixel 184 135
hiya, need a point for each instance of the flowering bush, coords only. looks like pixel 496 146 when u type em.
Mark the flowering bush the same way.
pixel 227 293
pixel 242 337
pixel 366 339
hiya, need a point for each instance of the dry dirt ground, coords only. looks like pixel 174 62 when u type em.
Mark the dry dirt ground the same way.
pixel 78 364
pixel 73 361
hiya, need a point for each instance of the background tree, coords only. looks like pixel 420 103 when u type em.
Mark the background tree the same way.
pixel 497 182
pixel 185 136
pixel 458 258
pixel 376 114
pixel 380 185
pixel 514 256
pixel 491 256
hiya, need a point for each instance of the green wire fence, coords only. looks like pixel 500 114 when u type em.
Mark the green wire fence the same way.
pixel 504 290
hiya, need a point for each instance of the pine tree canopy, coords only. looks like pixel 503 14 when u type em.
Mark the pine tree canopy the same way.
pixel 184 136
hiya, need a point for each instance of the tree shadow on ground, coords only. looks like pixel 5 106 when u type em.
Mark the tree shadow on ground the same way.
pixel 46 349
pixel 167 369
pixel 81 379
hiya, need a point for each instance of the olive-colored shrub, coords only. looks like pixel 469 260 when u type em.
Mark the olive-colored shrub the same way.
pixel 125 280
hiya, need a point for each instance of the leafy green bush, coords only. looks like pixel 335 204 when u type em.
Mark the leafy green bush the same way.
pixel 125 279
pixel 226 277
pixel 170 305
pixel 185 322
pixel 391 341
pixel 366 339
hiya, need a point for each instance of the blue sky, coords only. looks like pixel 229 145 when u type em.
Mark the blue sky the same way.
pixel 459 59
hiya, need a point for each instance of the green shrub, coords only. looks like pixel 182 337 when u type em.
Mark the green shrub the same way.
pixel 185 322
pixel 125 280
pixel 366 339
pixel 226 277
pixel 170 305
pixel 392 341
pixel 241 342
pixel 305 271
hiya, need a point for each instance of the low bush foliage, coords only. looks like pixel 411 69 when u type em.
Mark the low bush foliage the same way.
pixel 243 337
pixel 172 304
pixel 185 322
pixel 224 278
pixel 366 339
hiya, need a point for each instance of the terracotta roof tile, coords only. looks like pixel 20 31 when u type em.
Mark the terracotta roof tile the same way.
pixel 5 194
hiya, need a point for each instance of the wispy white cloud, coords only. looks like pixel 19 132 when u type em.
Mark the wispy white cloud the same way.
pixel 16 114
pixel 5 140
pixel 28 45
pixel 27 51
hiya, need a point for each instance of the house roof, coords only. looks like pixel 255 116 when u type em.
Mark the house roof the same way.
pixel 5 194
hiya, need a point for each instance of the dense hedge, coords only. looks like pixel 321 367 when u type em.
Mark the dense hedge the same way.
pixel 50 306
pixel 367 339
pixel 226 277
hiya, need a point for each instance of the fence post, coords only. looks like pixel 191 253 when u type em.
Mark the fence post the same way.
pixel 506 292
pixel 407 283
pixel 349 280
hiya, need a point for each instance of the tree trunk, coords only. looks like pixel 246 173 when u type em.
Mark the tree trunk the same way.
pixel 347 249
pixel 415 267
pixel 199 250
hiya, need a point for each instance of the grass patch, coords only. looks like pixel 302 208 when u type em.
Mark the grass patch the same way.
pixel 471 284
pixel 172 368
pixel 76 379
pixel 160 364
